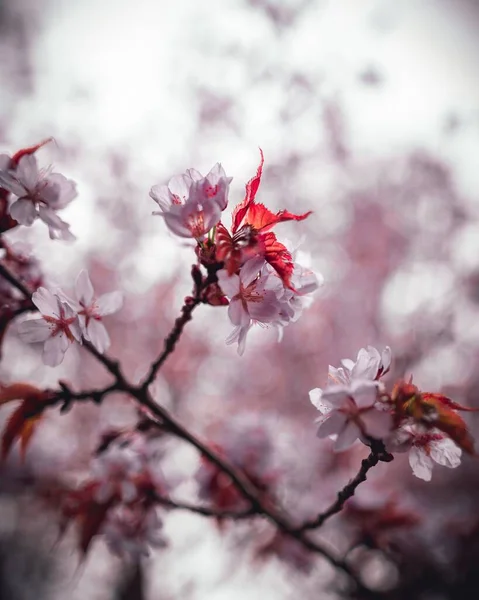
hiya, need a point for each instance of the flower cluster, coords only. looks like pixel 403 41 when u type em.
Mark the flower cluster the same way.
pixel 256 273
pixel 356 405
pixel 64 320
pixel 36 193
pixel 119 501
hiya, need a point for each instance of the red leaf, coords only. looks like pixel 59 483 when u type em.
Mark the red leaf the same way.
pixel 91 522
pixel 445 401
pixel 19 426
pixel 24 419
pixel 21 391
pixel 251 189
pixel 262 219
pixel 278 256
pixel 30 150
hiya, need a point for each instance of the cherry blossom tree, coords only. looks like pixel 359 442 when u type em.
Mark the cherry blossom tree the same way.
pixel 124 496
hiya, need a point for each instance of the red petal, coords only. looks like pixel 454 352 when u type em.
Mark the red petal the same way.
pixel 251 189
pixel 278 256
pixel 262 219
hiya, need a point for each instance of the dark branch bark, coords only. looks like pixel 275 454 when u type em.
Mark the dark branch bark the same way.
pixel 376 455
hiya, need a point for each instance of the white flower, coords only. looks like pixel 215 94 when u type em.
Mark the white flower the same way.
pixel 116 469
pixel 57 328
pixel 292 303
pixel 370 365
pixel 39 194
pixel 425 448
pixel 351 412
pixel 191 204
pixel 91 310
pixel 130 530
pixel 250 300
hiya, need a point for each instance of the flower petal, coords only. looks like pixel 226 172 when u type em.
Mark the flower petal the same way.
pixel 445 453
pixel 54 349
pixel 84 288
pixel 109 303
pixel 59 191
pixel 98 335
pixel 46 302
pixel 334 424
pixel 229 284
pixel 365 393
pixel 377 423
pixel 23 211
pixel 34 331
pixel 27 171
pixel 347 437
pixel 421 463
pixel 250 270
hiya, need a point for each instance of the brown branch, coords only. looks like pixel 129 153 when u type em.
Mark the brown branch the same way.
pixel 204 510
pixel 16 283
pixel 376 455
pixel 200 285
pixel 258 504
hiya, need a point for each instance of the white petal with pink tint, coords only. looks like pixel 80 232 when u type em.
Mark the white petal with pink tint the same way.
pixel 365 393
pixel 229 284
pixel 377 423
pixel 34 331
pixel 54 349
pixel 46 302
pixel 59 191
pixel 23 211
pixel 27 171
pixel 250 270
pixel 334 424
pixel 98 335
pixel 109 303
pixel 84 288
pixel 347 437
pixel 445 453
pixel 421 463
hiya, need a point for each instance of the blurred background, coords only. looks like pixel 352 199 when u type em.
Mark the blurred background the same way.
pixel 368 113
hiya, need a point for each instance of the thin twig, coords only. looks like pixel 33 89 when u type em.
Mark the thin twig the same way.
pixel 376 455
pixel 204 510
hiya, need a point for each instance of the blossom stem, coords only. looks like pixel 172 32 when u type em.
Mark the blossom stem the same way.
pixel 187 309
pixel 6 274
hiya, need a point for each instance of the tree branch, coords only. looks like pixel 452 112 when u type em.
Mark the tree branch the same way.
pixel 258 504
pixel 376 455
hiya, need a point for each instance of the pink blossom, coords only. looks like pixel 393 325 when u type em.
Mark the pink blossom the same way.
pixel 370 365
pixel 91 311
pixel 39 193
pixel 130 530
pixel 292 303
pixel 351 412
pixel 191 204
pixel 116 470
pixel 250 300
pixel 57 328
pixel 425 448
